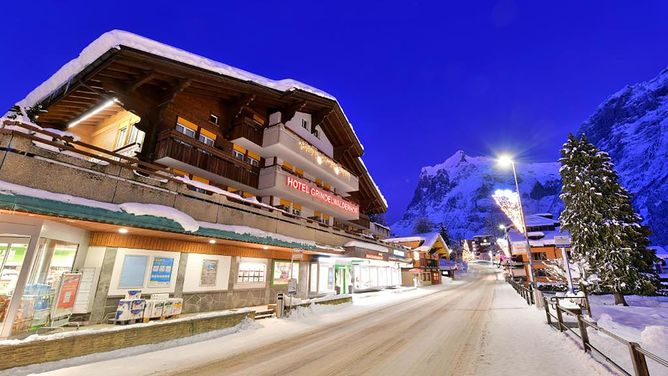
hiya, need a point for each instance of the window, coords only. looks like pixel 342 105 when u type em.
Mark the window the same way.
pixel 186 131
pixel 254 162
pixel 213 119
pixel 206 140
pixel 251 272
pixel 120 137
pixel 238 154
pixel 296 209
pixel 539 255
pixel 316 133
pixel 305 124
pixel 136 136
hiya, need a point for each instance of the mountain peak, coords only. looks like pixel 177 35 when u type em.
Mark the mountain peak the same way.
pixel 457 159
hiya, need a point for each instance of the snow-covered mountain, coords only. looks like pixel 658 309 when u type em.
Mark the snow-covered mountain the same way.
pixel 632 125
pixel 458 193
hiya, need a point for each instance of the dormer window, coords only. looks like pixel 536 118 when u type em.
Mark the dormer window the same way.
pixel 305 124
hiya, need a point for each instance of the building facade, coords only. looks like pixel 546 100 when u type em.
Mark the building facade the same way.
pixel 426 251
pixel 139 166
pixel 543 232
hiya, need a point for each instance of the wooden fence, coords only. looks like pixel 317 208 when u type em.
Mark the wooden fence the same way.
pixel 555 314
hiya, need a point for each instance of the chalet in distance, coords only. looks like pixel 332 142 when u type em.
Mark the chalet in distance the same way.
pixel 429 254
pixel 543 231
pixel 145 167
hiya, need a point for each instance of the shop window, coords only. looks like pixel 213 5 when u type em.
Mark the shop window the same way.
pixel 12 254
pixel 251 272
pixel 45 296
pixel 283 271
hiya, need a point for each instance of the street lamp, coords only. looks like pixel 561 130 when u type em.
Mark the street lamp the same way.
pixel 505 161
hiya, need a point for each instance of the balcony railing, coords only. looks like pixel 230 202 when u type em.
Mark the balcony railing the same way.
pixel 247 128
pixel 175 145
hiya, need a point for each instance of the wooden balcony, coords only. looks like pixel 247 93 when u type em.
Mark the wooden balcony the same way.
pixel 249 129
pixel 172 144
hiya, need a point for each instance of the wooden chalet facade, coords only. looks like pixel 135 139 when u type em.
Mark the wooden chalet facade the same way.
pixel 146 167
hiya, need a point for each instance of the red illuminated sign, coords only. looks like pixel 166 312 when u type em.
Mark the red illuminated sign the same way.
pixel 321 195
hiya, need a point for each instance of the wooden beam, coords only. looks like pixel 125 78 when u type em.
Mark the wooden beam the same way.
pixel 288 112
pixel 319 118
pixel 141 80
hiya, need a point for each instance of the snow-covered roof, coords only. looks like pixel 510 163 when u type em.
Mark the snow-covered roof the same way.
pixel 116 38
pixel 535 238
pixel 428 240
pixel 365 245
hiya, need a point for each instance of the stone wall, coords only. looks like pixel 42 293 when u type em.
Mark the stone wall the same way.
pixel 94 341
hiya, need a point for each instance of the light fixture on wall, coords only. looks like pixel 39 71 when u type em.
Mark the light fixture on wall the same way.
pixel 212 241
pixel 122 230
pixel 94 112
pixel 265 247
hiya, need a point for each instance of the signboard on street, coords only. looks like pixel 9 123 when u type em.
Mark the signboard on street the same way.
pixel 519 246
pixel 292 287
pixel 561 241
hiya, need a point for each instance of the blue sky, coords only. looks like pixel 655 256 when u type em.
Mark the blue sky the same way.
pixel 418 80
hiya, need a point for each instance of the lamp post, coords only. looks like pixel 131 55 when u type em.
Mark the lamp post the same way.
pixel 505 160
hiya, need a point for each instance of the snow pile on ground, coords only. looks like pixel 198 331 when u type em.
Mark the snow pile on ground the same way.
pixel 644 321
pixel 303 312
pixel 244 325
pixel 162 211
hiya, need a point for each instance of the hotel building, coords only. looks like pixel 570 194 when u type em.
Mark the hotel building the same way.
pixel 141 166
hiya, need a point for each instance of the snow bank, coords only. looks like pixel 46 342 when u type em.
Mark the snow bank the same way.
pixel 183 219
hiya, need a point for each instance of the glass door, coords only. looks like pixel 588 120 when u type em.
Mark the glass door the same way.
pixel 12 254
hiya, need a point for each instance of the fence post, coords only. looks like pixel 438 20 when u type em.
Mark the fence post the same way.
pixel 638 358
pixel 559 318
pixel 547 311
pixel 583 333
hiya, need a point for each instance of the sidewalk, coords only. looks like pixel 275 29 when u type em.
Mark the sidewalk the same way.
pixel 516 341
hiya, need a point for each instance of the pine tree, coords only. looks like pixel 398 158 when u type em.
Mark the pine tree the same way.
pixel 609 243
pixel 444 233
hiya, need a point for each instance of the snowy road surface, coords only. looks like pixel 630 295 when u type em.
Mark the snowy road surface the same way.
pixel 478 326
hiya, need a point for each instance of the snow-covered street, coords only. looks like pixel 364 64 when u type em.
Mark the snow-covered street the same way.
pixel 474 326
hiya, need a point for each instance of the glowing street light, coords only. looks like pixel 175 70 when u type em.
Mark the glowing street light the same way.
pixel 504 161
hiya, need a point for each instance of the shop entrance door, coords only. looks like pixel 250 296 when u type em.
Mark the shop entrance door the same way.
pixel 12 254
pixel 341 279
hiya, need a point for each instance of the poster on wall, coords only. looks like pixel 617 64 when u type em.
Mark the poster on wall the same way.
pixel 67 294
pixel 133 272
pixel 209 273
pixel 161 272
pixel 282 272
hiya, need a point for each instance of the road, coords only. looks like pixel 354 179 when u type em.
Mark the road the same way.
pixel 435 334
